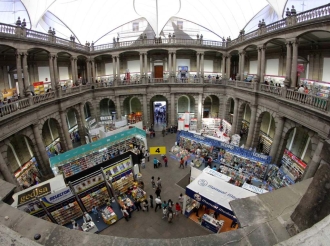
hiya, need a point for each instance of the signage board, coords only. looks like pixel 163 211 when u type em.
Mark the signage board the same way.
pixel 32 194
pixel 57 197
pixel 253 188
pixel 157 150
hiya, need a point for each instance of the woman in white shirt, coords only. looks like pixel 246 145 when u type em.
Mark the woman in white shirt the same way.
pixel 87 217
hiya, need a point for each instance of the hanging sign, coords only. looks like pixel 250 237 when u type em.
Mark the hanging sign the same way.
pixel 57 197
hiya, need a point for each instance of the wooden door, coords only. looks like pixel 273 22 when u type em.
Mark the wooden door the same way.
pixel 158 72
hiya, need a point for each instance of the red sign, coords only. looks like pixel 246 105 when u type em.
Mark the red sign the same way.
pixel 300 68
pixel 295 159
pixel 38 83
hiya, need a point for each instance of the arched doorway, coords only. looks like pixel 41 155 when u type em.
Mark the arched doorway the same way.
pixel 211 107
pixel 158 112
pixel 245 123
pixel 23 162
pixel 72 121
pixel 51 136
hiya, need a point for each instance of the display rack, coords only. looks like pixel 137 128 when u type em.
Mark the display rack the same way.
pixel 210 125
pixel 193 124
pixel 277 178
pixel 64 212
pixel 266 144
pixel 292 165
pixel 95 197
pixel 82 163
pixel 226 126
pixel 121 183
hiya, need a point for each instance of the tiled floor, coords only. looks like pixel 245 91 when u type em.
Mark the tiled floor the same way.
pixel 150 224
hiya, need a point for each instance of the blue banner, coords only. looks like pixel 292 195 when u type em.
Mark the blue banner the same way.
pixel 228 147
pixel 95 146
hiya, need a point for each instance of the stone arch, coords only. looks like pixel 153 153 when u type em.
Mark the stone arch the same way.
pixel 214 106
pixel 109 104
pixel 80 124
pixel 261 111
pixel 241 110
pixel 33 47
pixel 126 104
pixel 230 104
pixel 59 134
pixel 90 108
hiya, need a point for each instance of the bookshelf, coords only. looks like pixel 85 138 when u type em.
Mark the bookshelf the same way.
pixel 82 163
pixel 96 198
pixel 122 183
pixel 64 214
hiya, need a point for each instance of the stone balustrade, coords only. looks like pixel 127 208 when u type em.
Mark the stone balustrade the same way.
pixel 314 102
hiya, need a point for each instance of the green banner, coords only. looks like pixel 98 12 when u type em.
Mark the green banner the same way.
pixel 95 146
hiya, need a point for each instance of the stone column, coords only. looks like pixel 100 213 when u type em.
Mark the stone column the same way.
pixel 259 65
pixel 114 67
pixel 314 164
pixel 293 83
pixel 152 68
pixel 174 64
pixel 44 166
pixel 73 73
pixel 263 63
pixel 165 64
pixel 118 109
pixel 223 66
pixel 202 65
pixel 76 68
pixel 118 67
pixel 93 69
pixel 277 137
pixel 56 75
pixel 239 64
pixel 5 76
pixel 88 67
pixel 252 126
pixel 6 173
pixel 19 74
pixel 288 64
pixel 81 122
pixel 173 114
pixel 242 65
pixel 169 63
pixel 199 111
pixel 146 65
pixel 197 65
pixel 66 130
pixel 141 64
pixel 51 71
pixel 228 66
pixel 234 125
pixel 145 109
pixel 25 71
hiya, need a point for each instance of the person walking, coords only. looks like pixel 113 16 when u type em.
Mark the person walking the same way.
pixel 163 132
pixel 165 160
pixel 145 206
pixel 164 212
pixel 151 201
pixel 181 163
pixel 153 182
pixel 158 203
pixel 159 183
pixel 158 191
pixel 143 163
pixel 170 203
pixel 95 211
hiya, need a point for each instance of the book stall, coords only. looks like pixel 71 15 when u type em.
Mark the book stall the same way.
pixel 207 200
pixel 238 163
pixel 28 174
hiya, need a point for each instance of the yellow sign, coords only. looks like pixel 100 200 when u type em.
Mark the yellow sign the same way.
pixel 157 150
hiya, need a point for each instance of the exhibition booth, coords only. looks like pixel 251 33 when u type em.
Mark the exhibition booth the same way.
pixel 207 200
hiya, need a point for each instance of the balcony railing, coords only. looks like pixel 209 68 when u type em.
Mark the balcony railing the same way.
pixel 312 14
pixel 307 99
pixel 271 89
pixel 10 108
pixel 43 97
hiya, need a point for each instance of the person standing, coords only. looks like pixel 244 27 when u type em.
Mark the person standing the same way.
pixel 151 200
pixel 165 161
pixel 159 183
pixel 170 203
pixel 125 213
pixel 155 162
pixel 197 208
pixel 170 215
pixel 143 163
pixel 177 209
pixel 181 163
pixel 87 218
pixel 153 182
pixel 146 155
pixel 180 199
pixel 158 203
pixel 145 205
pixel 164 212
pixel 158 191
pixel 163 132
pixel 137 204
pixel 95 211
